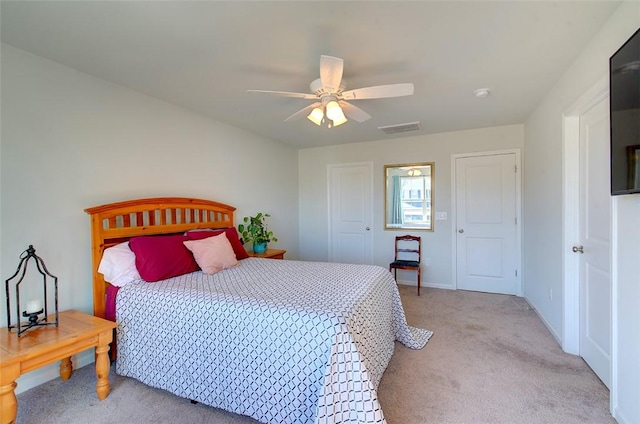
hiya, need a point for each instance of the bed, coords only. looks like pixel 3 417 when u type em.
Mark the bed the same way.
pixel 277 340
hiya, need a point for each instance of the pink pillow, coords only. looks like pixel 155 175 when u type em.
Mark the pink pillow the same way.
pixel 232 236
pixel 213 254
pixel 162 257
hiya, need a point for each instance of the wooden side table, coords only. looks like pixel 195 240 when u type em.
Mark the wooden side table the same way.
pixel 41 346
pixel 269 254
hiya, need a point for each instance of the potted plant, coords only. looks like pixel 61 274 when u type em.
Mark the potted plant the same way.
pixel 254 231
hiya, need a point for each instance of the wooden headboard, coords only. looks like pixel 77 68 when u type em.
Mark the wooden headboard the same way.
pixel 117 222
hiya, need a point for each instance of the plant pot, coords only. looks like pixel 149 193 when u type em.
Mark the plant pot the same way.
pixel 260 247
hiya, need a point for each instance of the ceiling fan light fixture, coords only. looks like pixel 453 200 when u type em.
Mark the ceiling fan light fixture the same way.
pixel 334 111
pixel 340 121
pixel 316 116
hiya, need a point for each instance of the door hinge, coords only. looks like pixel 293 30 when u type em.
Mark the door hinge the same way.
pixel 516 218
pixel 516 272
pixel 515 168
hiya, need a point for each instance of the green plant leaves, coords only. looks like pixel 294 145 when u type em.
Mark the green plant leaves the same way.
pixel 255 231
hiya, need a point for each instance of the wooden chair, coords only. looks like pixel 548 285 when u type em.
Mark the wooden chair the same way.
pixel 407 256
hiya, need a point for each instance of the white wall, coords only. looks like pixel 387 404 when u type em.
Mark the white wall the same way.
pixel 543 211
pixel 71 141
pixel 626 378
pixel 436 148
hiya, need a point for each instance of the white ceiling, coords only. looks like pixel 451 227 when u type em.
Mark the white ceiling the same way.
pixel 205 55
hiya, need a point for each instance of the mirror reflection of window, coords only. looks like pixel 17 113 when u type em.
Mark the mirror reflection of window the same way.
pixel 408 196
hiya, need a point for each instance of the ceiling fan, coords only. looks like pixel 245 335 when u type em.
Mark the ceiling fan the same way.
pixel 330 95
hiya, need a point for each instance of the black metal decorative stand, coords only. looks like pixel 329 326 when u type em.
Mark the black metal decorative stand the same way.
pixel 34 316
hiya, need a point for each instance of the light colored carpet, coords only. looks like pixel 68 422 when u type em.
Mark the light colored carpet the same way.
pixel 491 360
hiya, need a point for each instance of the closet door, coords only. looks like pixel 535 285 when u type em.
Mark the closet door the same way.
pixel 486 224
pixel 351 213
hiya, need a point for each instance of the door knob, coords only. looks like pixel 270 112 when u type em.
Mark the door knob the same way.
pixel 367 228
pixel 577 249
pixel 461 230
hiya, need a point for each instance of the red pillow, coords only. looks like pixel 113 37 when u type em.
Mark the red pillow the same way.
pixel 110 305
pixel 162 257
pixel 232 235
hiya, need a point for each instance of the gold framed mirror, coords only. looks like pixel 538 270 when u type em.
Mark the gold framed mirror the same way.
pixel 408 196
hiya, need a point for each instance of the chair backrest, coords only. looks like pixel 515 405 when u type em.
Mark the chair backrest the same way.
pixel 408 246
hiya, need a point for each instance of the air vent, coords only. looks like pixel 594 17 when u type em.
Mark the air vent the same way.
pixel 400 128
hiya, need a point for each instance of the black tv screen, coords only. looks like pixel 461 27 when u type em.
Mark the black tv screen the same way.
pixel 624 83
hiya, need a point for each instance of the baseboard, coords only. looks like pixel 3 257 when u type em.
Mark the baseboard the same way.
pixel 557 337
pixel 619 417
pixel 424 284
pixel 438 286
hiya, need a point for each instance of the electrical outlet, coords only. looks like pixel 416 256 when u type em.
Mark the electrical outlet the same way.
pixel 426 261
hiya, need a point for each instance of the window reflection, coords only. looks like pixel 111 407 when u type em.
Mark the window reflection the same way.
pixel 408 196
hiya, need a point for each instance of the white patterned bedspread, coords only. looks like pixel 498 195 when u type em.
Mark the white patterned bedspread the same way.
pixel 280 341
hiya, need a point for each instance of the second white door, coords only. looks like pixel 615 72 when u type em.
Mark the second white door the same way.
pixel 486 223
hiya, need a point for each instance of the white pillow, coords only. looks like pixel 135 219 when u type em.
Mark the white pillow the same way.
pixel 118 265
pixel 213 254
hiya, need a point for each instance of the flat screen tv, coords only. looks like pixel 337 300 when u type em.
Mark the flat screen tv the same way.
pixel 624 83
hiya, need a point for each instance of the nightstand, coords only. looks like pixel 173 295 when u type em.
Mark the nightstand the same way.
pixel 269 254
pixel 35 348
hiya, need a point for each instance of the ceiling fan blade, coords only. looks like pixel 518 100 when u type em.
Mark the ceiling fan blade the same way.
pixel 303 112
pixel 284 94
pixel 379 92
pixel 354 112
pixel 331 72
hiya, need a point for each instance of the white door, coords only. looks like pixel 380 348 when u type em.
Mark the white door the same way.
pixel 594 246
pixel 486 223
pixel 351 213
